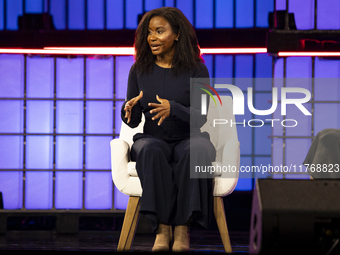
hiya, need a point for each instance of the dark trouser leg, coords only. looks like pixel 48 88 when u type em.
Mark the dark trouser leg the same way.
pixel 152 156
pixel 194 195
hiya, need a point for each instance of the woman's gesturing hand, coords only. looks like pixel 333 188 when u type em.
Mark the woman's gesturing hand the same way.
pixel 162 109
pixel 130 104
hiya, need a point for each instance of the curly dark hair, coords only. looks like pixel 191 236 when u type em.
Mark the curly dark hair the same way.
pixel 187 51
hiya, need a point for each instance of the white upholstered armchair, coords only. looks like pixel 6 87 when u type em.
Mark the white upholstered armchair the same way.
pixel 124 175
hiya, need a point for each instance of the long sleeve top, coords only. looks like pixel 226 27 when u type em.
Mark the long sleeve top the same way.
pixel 181 91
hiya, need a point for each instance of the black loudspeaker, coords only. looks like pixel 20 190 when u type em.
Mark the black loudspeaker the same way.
pixel 295 216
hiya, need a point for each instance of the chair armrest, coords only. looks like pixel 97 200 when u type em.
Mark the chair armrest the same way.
pixel 119 162
pixel 226 183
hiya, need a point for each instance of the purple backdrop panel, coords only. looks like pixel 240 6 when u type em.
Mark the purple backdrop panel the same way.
pixel 262 140
pixel 98 190
pixel 186 8
pixel 326 116
pixel 244 13
pixel 277 152
pixel 133 9
pixel 263 69
pixel 263 101
pixel 11 116
pixel 297 150
pixel 11 182
pixel 300 123
pixel 98 185
pixel 14 10
pixel 115 15
pixel 299 67
pixel 120 199
pixel 38 192
pixel 327 68
pixel 69 152
pixel 68 190
pixel 11 188
pixel 70 78
pixel 39 155
pixel 303 12
pixel 264 162
pixel 95 12
pixel 57 10
pixel 97 152
pixel 11 152
pixel 280 4
pixel 244 132
pixel 12 75
pixel 99 74
pixel 123 65
pixel 263 7
pixel 223 67
pixel 278 68
pixel 153 4
pixel 40 77
pixel 204 14
pixel 69 117
pixel 297 176
pixel 34 6
pixel 76 14
pixel 243 69
pixel 328 14
pixel 39 117
pixel 245 181
pixel 99 117
pixel 69 155
pixel 2 11
pixel 224 14
pixel 169 3
pixel 39 152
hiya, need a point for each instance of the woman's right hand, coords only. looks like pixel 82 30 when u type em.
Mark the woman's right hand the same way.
pixel 130 104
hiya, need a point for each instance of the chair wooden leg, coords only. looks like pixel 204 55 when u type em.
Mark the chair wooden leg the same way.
pixel 222 223
pixel 129 225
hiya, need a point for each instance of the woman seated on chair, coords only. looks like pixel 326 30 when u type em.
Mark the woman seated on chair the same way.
pixel 167 55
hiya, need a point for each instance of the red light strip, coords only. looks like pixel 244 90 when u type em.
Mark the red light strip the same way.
pixel 233 50
pixel 95 50
pixel 308 54
pixel 120 50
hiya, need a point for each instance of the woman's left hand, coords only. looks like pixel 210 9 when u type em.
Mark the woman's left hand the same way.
pixel 162 109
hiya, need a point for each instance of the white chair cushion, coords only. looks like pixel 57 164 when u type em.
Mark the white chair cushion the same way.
pixel 132 169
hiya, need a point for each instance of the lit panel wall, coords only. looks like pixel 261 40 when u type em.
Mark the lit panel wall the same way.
pixel 60 140
pixel 11 122
pixel 120 14
pixel 58 116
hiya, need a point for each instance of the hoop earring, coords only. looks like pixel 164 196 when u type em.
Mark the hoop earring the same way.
pixel 176 39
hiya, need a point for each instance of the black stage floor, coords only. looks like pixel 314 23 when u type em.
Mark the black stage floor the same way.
pixel 202 241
